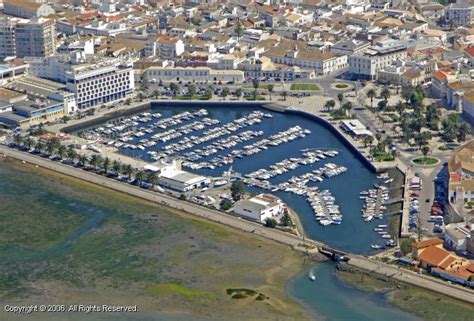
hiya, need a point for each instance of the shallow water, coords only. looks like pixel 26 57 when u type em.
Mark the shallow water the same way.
pixel 354 234
pixel 330 299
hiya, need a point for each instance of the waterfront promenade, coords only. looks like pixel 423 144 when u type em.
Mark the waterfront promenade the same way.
pixel 293 241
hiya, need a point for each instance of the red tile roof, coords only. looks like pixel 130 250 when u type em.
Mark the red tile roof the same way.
pixel 427 243
pixel 470 51
pixel 433 255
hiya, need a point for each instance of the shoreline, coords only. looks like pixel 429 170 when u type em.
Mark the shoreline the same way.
pixel 290 240
pixel 414 300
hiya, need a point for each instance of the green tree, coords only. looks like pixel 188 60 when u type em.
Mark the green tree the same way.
pixel 256 85
pixel 40 146
pixel 153 178
pixel 50 147
pixel 270 222
pixel 174 89
pixel 144 83
pixel 224 92
pixel 140 177
pixel 237 190
pixel 225 205
pixel 106 165
pixel 208 92
pixel 95 161
pixel 340 98
pixel 62 150
pixel 400 108
pixel 347 107
pixel 270 88
pixel 238 93
pixel 17 139
pixel 286 219
pixel 385 94
pixel 71 154
pixel 28 142
pixel 425 150
pixel 128 101
pixel 284 94
pixel 116 167
pixel 371 94
pixel 463 132
pixel 155 93
pixel 368 140
pixel 191 91
pixel 128 170
pixel 406 92
pixel 405 245
pixel 329 105
pixel 83 160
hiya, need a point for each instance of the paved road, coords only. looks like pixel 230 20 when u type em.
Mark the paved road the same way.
pixel 243 225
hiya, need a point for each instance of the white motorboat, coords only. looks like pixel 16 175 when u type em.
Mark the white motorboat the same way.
pixel 311 276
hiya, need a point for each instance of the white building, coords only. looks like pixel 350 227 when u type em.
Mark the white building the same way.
pixel 191 74
pixel 460 14
pixel 94 80
pixel 260 207
pixel 323 63
pixel 366 65
pixel 165 47
pixel 27 9
pixel 456 236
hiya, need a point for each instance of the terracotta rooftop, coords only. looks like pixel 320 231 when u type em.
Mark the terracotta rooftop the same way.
pixel 434 256
pixel 427 243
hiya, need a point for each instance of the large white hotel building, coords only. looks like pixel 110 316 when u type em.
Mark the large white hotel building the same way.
pixel 94 80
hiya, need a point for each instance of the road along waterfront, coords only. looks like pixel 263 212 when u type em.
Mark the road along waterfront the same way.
pixel 293 241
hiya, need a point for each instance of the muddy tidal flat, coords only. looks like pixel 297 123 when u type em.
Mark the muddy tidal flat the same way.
pixel 67 242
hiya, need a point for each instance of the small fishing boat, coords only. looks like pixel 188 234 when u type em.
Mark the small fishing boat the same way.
pixel 311 276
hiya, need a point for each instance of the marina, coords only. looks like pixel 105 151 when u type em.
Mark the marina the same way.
pixel 290 156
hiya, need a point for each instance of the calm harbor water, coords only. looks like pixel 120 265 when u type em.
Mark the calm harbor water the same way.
pixel 330 299
pixel 353 234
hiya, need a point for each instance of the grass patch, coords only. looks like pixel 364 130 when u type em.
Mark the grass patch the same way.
pixel 250 98
pixel 339 114
pixel 172 288
pixel 443 147
pixel 431 306
pixel 304 87
pixel 261 86
pixel 425 161
pixel 341 86
pixel 382 156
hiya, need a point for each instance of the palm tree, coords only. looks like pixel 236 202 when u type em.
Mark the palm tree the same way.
pixel 347 107
pixel 191 91
pixel 463 131
pixel 140 177
pixel 329 104
pixel 96 161
pixel 116 167
pixel 155 93
pixel 106 165
pixel 224 92
pixel 71 154
pixel 128 170
pixel 17 139
pixel 238 93
pixel 174 89
pixel 83 160
pixel 62 151
pixel 340 98
pixel 255 84
pixel 50 147
pixel 425 150
pixel 40 146
pixel 371 94
pixel 28 142
pixel 153 178
pixel 284 94
pixel 270 90
pixel 385 94
pixel 400 108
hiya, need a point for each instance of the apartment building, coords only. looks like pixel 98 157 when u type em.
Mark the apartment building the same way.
pixel 35 38
pixel 165 47
pixel 462 14
pixel 94 80
pixel 366 65
pixel 7 38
